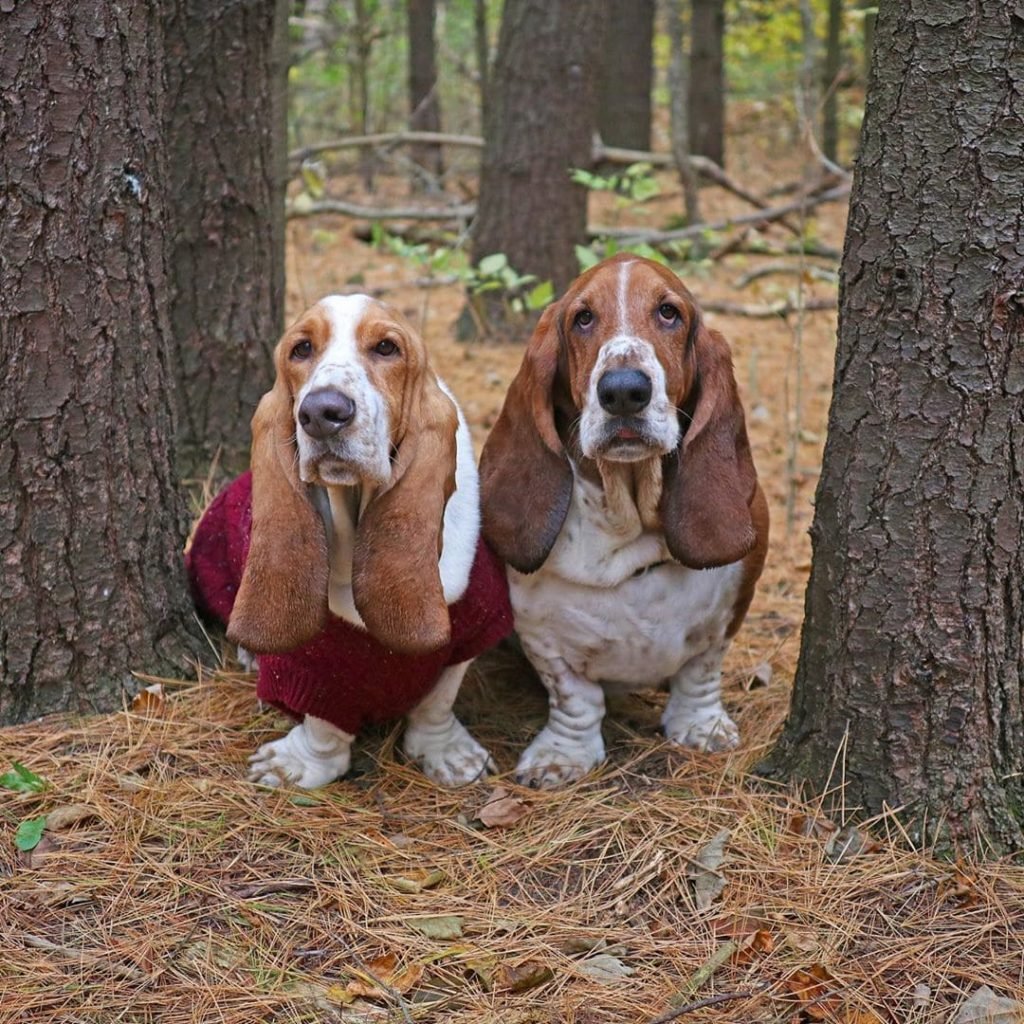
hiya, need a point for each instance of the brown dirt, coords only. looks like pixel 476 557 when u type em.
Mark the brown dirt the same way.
pixel 184 894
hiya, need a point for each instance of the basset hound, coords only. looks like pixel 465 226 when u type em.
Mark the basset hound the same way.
pixel 350 559
pixel 618 485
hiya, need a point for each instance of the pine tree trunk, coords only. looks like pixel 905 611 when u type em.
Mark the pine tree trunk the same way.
pixel 539 126
pixel 707 80
pixel 91 521
pixel 226 76
pixel 911 665
pixel 424 99
pixel 625 75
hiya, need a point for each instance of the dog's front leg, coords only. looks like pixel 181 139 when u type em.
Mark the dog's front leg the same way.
pixel 570 745
pixel 311 755
pixel 694 716
pixel 438 742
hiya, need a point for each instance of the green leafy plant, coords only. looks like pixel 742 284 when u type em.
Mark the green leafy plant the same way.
pixel 29 833
pixel 22 780
pixel 636 184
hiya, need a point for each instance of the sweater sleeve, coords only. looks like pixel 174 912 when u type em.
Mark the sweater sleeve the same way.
pixel 216 558
pixel 483 616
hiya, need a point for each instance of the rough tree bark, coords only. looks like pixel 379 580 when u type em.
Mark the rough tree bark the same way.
pixel 424 99
pixel 707 79
pixel 539 124
pixel 91 520
pixel 625 74
pixel 226 80
pixel 911 665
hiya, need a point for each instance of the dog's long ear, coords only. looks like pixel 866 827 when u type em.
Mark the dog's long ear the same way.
pixel 709 480
pixel 525 476
pixel 396 582
pixel 282 601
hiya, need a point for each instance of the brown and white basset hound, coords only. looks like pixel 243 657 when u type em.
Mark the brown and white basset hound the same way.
pixel 618 485
pixel 351 560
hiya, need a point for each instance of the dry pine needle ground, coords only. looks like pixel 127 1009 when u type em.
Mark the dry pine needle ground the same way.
pixel 174 891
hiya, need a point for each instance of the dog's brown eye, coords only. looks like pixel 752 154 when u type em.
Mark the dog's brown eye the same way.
pixel 584 318
pixel 668 314
pixel 385 347
pixel 302 349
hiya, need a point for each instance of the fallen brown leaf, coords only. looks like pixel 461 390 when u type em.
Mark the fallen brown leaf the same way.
pixel 380 978
pixel 521 977
pixel 61 817
pixel 149 700
pixel 417 880
pixel 985 1007
pixel 960 887
pixel 708 882
pixel 815 991
pixel 848 843
pixel 502 809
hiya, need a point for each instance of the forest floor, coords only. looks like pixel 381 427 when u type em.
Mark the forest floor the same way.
pixel 166 888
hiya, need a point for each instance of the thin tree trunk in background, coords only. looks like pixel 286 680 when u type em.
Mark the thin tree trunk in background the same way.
pixel 359 74
pixel 483 55
pixel 424 98
pixel 226 78
pixel 807 101
pixel 912 661
pixel 92 524
pixel 830 81
pixel 707 80
pixel 539 126
pixel 869 34
pixel 625 74
pixel 679 87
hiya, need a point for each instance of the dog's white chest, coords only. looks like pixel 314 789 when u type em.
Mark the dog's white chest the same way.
pixel 613 606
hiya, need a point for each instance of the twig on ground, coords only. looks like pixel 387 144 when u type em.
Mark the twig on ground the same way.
pixel 700 1004
pixel 121 970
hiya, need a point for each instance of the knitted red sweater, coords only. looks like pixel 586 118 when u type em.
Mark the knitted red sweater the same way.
pixel 343 675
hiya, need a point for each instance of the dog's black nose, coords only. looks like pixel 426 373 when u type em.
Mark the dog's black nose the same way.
pixel 624 392
pixel 323 413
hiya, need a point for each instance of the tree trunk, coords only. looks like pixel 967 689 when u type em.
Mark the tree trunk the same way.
pixel 539 125
pixel 91 521
pixel 679 88
pixel 830 81
pixel 482 39
pixel 870 16
pixel 625 75
pixel 707 80
pixel 424 99
pixel 911 665
pixel 226 75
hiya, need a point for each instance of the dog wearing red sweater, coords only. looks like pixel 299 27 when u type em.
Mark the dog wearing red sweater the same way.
pixel 349 560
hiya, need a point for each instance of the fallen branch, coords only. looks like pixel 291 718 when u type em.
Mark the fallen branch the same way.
pixel 315 207
pixel 704 166
pixel 793 269
pixel 631 236
pixel 385 139
pixel 784 307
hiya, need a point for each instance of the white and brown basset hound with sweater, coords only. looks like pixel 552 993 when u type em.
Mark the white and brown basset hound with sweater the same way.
pixel 350 559
pixel 618 485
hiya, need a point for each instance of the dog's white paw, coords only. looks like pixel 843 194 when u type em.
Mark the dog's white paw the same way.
pixel 301 760
pixel 710 730
pixel 450 757
pixel 554 760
